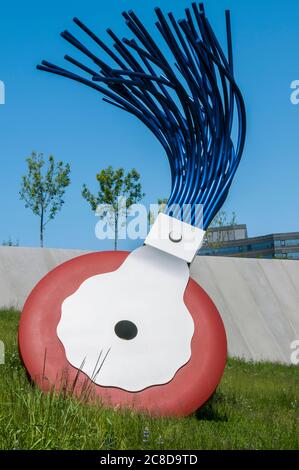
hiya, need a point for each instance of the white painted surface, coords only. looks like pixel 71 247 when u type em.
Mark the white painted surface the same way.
pixel 257 299
pixel 175 237
pixel 147 290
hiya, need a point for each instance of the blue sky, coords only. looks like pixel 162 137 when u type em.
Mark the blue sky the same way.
pixel 54 115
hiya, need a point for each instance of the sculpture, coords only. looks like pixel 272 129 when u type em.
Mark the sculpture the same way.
pixel 163 348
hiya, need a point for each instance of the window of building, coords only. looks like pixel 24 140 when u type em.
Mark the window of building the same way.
pixel 262 246
pixel 281 255
pixel 293 255
pixel 292 242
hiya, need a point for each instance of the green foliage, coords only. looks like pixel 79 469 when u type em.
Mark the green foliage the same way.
pixel 43 187
pixel 222 219
pixel 162 203
pixel 114 185
pixel 255 407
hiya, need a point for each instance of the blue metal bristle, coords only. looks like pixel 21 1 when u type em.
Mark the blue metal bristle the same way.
pixel 188 103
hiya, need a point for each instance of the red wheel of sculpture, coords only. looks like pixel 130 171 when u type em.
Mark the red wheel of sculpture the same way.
pixel 45 358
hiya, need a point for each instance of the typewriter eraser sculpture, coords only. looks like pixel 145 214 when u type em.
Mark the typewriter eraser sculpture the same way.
pixel 134 329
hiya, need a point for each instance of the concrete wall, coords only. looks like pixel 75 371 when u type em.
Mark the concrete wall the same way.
pixel 257 299
pixel 22 268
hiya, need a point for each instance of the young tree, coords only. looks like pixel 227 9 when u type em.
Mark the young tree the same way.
pixel 161 203
pixel 114 185
pixel 43 188
pixel 221 220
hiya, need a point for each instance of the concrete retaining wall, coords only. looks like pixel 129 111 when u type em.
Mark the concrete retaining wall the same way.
pixel 22 268
pixel 257 299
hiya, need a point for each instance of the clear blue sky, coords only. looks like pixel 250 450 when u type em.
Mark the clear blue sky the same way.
pixel 54 115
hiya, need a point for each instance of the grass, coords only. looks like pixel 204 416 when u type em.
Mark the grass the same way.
pixel 255 407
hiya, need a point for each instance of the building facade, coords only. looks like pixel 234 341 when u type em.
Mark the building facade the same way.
pixel 234 241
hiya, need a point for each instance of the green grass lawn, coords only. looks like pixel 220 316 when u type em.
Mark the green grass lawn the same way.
pixel 255 407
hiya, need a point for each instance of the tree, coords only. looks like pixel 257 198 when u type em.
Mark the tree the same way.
pixel 114 185
pixel 161 203
pixel 43 188
pixel 221 220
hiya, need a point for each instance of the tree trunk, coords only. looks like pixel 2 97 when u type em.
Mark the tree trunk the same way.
pixel 41 230
pixel 115 230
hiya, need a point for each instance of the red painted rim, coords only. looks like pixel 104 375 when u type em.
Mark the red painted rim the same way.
pixel 44 356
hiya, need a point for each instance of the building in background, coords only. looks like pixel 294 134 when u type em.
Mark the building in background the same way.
pixel 234 241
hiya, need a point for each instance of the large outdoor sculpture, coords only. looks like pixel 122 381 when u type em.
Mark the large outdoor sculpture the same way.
pixel 133 329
